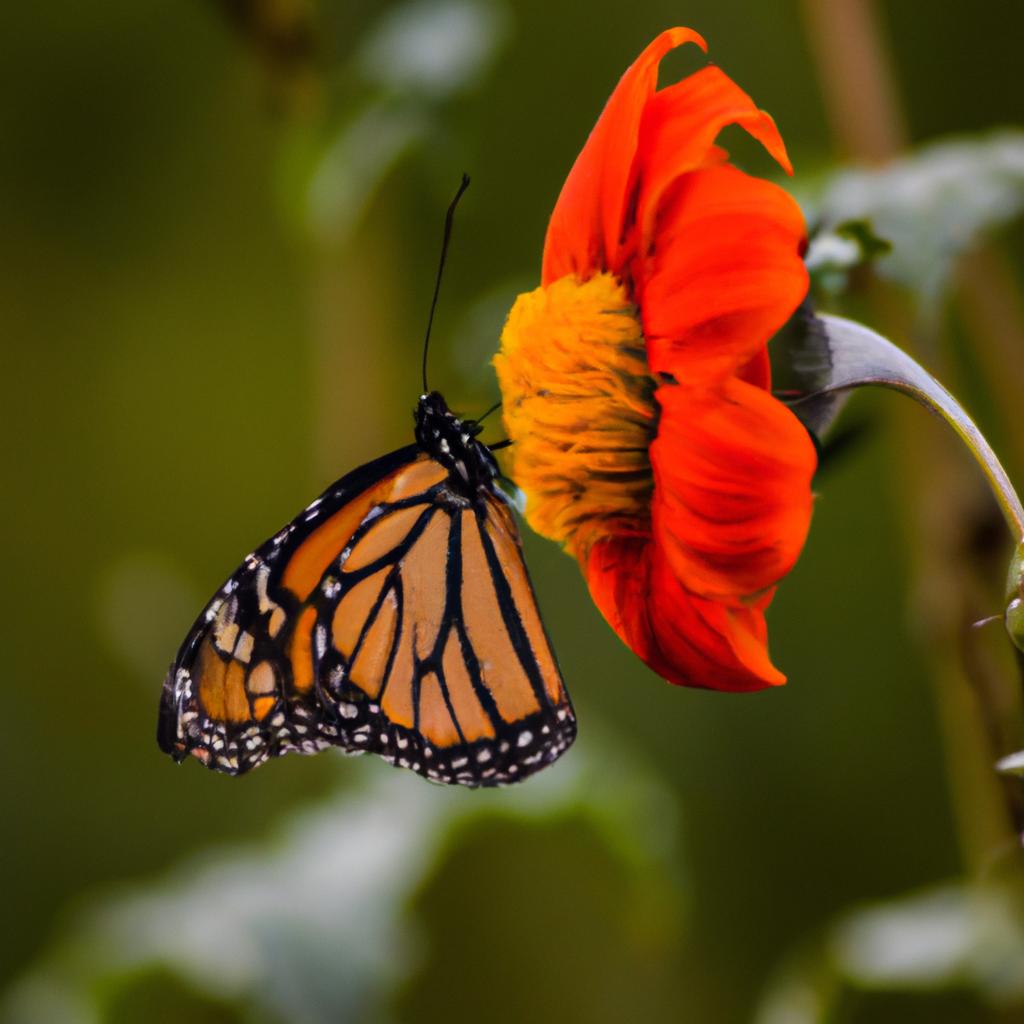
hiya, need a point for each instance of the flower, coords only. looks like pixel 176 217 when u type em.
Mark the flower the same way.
pixel 636 383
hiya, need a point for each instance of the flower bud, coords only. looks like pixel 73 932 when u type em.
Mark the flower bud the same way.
pixel 1015 598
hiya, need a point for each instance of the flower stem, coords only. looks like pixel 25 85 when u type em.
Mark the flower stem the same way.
pixel 861 356
pixel 864 109
pixel 856 77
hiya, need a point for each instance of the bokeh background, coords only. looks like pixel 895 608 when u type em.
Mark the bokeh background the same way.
pixel 220 223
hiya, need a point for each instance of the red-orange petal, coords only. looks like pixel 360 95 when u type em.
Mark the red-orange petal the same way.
pixel 758 371
pixel 678 131
pixel 726 273
pixel 586 226
pixel 732 488
pixel 687 640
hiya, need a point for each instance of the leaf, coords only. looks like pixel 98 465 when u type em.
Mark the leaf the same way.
pixel 835 253
pixel 313 924
pixel 930 206
pixel 433 48
pixel 943 939
pixel 418 57
pixel 861 232
pixel 936 939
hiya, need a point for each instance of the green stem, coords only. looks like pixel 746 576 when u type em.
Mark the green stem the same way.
pixel 860 356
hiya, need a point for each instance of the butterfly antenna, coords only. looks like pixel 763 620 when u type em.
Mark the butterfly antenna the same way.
pixel 449 217
pixel 493 408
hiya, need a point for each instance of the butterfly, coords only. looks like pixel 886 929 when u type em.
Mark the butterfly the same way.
pixel 394 614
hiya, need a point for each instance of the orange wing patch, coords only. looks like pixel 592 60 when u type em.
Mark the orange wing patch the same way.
pixel 424 584
pixel 300 650
pixel 504 536
pixel 473 680
pixel 353 612
pixel 384 536
pixel 473 720
pixel 311 559
pixel 371 661
pixel 500 665
pixel 397 700
pixel 262 680
pixel 436 722
pixel 417 478
pixel 222 686
pixel 262 706
pixel 422 580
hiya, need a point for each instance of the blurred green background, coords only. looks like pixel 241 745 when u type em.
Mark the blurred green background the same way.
pixel 219 230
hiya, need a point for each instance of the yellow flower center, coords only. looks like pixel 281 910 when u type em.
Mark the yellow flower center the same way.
pixel 578 401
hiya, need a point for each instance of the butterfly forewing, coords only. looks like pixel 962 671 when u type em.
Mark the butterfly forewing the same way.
pixel 393 615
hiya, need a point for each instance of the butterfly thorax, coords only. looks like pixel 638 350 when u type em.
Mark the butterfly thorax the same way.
pixel 452 442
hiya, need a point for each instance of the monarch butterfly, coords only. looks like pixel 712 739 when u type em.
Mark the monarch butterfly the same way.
pixel 394 614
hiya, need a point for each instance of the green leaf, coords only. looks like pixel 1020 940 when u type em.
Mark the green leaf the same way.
pixel 929 207
pixel 947 938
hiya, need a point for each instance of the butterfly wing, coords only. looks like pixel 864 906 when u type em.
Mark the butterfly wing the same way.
pixel 392 615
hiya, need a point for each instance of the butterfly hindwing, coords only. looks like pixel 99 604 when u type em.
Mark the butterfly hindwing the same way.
pixel 393 615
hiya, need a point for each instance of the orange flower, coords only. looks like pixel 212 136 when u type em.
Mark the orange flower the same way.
pixel 636 380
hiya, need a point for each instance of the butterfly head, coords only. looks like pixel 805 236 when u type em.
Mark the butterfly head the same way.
pixel 452 442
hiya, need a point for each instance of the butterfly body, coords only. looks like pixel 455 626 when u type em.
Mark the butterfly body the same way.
pixel 395 615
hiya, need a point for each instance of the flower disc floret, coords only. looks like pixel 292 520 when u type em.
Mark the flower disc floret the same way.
pixel 579 404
